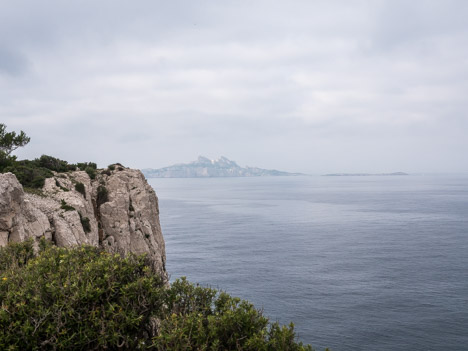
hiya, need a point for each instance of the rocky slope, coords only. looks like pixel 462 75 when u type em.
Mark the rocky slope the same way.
pixel 204 167
pixel 117 210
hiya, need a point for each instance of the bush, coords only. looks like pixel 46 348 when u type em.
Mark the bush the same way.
pixel 6 161
pixel 81 189
pixel 66 207
pixel 15 255
pixel 198 318
pixel 78 299
pixel 85 223
pixel 52 163
pixel 86 299
pixel 32 174
pixel 91 172
pixel 28 174
pixel 102 195
pixel 84 165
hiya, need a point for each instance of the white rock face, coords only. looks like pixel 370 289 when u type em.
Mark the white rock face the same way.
pixel 118 211
pixel 19 219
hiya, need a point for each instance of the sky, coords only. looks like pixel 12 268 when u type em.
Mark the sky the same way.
pixel 301 86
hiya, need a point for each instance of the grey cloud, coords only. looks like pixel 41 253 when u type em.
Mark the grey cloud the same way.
pixel 12 63
pixel 308 86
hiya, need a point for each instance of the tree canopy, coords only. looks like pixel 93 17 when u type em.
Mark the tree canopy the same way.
pixel 10 141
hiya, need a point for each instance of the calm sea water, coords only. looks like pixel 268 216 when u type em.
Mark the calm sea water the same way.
pixel 358 263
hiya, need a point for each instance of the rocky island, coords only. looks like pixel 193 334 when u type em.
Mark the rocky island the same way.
pixel 204 168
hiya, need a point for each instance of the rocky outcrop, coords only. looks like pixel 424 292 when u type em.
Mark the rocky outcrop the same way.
pixel 19 219
pixel 118 210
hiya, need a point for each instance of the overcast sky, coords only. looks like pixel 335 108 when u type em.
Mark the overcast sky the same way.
pixel 306 86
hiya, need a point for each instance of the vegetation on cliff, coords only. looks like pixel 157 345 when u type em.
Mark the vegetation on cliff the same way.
pixel 84 298
pixel 32 173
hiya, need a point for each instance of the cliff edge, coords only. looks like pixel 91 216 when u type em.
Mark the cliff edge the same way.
pixel 117 210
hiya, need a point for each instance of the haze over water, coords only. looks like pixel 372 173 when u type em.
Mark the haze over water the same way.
pixel 357 263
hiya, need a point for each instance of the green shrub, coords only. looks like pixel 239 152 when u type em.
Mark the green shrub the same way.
pixel 33 173
pixel 66 207
pixel 78 299
pixel 102 195
pixel 6 161
pixel 85 223
pixel 86 299
pixel 15 255
pixel 52 163
pixel 28 174
pixel 84 165
pixel 81 189
pixel 111 167
pixel 198 318
pixel 91 172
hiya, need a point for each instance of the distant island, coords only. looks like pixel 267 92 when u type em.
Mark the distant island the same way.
pixel 365 174
pixel 206 168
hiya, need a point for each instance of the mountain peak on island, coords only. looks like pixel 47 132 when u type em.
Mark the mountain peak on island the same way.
pixel 203 160
pixel 203 167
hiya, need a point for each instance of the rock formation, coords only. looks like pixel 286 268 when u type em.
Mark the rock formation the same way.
pixel 118 210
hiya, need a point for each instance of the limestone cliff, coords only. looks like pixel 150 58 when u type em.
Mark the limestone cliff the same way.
pixel 118 210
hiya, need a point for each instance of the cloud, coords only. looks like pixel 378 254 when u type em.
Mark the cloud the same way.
pixel 12 63
pixel 308 86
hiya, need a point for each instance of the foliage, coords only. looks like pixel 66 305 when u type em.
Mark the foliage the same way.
pixel 86 299
pixel 198 318
pixel 91 172
pixel 66 207
pixel 85 223
pixel 15 255
pixel 53 164
pixel 6 161
pixel 84 165
pixel 81 189
pixel 29 174
pixel 33 173
pixel 102 195
pixel 10 141
pixel 78 299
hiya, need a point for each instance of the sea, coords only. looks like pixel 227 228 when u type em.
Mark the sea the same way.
pixel 356 262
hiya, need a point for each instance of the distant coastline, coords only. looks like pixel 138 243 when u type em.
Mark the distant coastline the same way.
pixel 205 168
pixel 364 174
